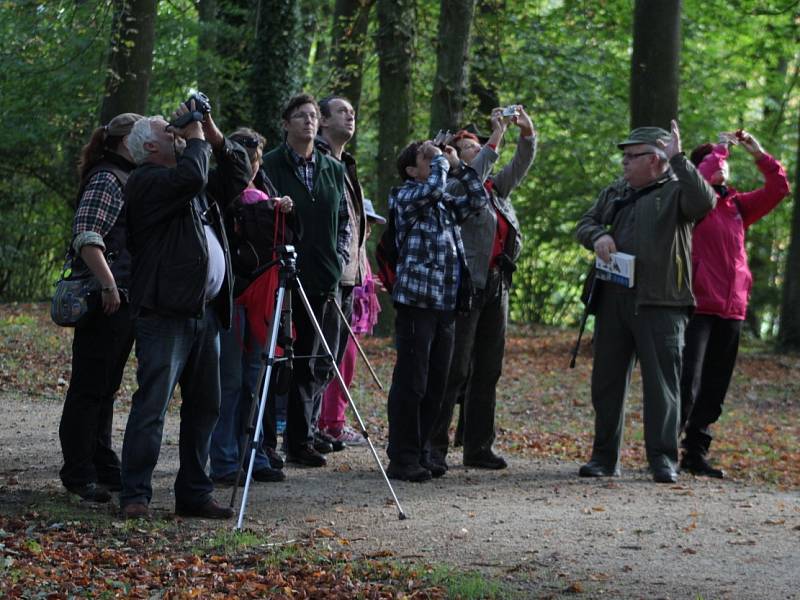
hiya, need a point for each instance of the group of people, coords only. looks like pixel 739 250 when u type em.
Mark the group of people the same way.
pixel 166 236
pixel 682 319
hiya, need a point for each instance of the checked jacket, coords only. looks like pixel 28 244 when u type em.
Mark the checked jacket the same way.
pixel 429 238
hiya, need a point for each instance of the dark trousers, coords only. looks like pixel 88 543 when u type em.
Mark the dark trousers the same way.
pixel 172 351
pixel 307 373
pixel 336 335
pixel 709 356
pixel 100 349
pixel 474 372
pixel 655 335
pixel 424 352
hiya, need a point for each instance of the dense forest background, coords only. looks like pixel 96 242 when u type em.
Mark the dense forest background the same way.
pixel 585 71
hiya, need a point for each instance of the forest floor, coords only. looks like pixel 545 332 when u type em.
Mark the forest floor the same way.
pixel 534 530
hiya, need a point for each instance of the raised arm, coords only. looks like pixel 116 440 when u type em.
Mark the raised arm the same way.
pixel 754 205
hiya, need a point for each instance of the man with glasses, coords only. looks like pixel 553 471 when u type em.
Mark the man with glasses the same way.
pixel 315 182
pixel 648 213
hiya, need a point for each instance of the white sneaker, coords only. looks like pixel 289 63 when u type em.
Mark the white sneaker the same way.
pixel 348 435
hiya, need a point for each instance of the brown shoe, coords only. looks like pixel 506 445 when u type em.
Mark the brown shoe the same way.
pixel 209 510
pixel 135 510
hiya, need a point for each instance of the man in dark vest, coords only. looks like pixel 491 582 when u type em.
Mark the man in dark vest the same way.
pixel 315 182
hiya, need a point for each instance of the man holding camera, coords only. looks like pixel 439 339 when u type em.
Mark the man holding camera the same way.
pixel 315 182
pixel 492 244
pixel 180 296
pixel 430 270
pixel 649 214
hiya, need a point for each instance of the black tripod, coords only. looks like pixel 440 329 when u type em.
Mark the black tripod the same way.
pixel 289 281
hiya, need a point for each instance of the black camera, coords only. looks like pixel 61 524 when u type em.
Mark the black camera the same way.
pixel 202 106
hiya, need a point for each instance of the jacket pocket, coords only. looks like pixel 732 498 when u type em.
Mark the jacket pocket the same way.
pixel 181 286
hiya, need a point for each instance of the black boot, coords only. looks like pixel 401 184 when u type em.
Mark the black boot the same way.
pixel 697 464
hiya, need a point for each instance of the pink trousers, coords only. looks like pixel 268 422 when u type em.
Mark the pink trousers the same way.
pixel 334 402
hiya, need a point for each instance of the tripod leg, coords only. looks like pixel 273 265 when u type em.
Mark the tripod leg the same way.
pixel 250 437
pixel 401 514
pixel 257 435
pixel 355 340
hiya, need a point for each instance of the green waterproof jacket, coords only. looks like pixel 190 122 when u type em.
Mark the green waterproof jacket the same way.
pixel 664 218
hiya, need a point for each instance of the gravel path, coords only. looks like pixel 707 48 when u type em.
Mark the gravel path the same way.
pixel 536 524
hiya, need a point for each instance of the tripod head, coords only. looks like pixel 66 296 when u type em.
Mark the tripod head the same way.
pixel 287 259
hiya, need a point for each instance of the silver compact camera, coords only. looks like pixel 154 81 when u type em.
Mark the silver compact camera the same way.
pixel 510 110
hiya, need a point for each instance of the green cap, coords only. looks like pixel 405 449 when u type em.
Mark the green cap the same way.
pixel 645 135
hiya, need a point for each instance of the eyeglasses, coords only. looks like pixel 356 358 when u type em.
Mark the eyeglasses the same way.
pixel 629 156
pixel 304 116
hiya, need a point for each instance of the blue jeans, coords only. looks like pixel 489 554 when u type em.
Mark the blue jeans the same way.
pixel 170 351
pixel 240 366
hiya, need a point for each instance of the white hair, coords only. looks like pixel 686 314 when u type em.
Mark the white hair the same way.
pixel 141 133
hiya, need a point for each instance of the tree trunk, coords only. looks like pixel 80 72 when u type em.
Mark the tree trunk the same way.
pixel 130 59
pixel 449 87
pixel 277 64
pixel 207 79
pixel 317 23
pixel 789 333
pixel 395 54
pixel 485 64
pixel 655 62
pixel 348 41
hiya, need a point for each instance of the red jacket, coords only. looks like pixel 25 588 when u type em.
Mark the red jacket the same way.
pixel 721 278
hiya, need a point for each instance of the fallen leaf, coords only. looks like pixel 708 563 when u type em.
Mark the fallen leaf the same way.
pixel 325 532
pixel 574 588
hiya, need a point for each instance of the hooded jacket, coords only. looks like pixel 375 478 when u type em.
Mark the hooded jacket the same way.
pixel 722 278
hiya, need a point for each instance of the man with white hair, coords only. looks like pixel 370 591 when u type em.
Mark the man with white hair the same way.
pixel 648 213
pixel 181 293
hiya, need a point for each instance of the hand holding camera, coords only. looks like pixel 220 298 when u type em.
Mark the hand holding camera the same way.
pixel 749 143
pixel 196 108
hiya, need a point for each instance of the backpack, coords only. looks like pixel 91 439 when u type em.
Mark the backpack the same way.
pixel 386 254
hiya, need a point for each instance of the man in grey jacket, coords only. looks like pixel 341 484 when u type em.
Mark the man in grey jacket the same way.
pixel 492 244
pixel 648 213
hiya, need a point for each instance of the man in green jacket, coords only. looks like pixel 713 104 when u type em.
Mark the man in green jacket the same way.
pixel 649 213
pixel 315 182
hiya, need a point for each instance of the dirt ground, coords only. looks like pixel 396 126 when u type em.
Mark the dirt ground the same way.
pixel 535 525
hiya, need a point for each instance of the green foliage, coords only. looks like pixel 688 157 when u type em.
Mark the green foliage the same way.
pixel 567 61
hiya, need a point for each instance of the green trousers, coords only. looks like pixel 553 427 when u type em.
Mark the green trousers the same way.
pixel 655 335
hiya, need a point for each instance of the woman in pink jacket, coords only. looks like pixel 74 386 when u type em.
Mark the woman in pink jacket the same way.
pixel 721 285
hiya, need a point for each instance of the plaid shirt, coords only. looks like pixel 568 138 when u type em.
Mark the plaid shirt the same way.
pixel 304 166
pixel 99 207
pixel 429 238
pixel 305 171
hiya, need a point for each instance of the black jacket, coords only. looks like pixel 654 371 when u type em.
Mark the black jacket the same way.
pixel 166 211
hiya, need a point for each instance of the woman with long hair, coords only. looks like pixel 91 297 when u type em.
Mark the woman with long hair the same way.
pixel 101 345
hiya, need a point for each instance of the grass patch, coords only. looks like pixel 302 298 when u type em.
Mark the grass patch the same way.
pixel 468 585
